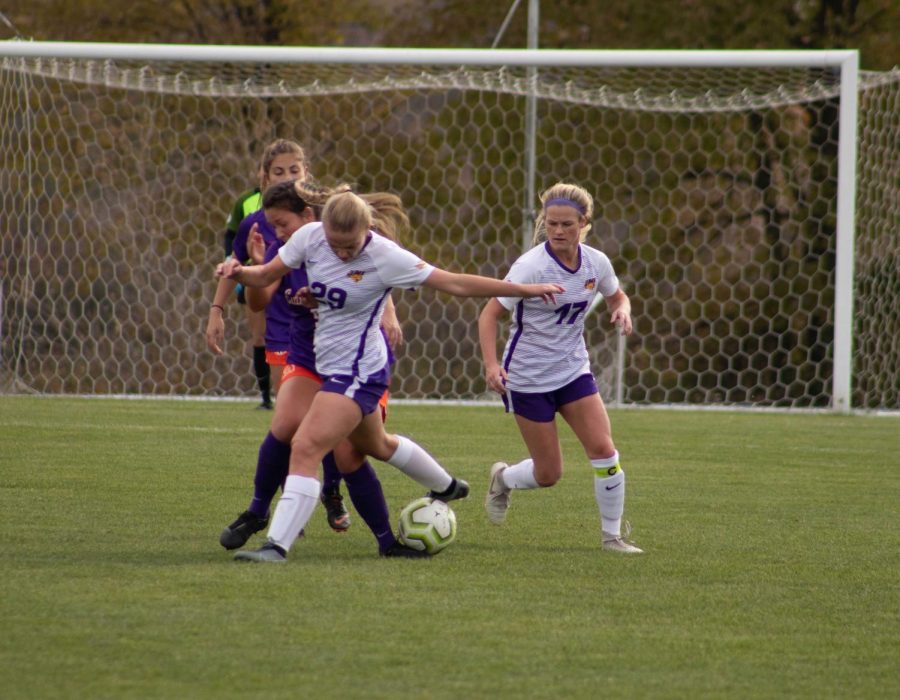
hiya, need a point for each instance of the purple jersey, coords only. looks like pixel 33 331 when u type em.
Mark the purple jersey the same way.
pixel 242 238
pixel 290 325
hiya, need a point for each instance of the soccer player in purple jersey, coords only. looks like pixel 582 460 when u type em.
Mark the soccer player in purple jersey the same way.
pixel 545 366
pixel 288 206
pixel 351 271
pixel 277 313
pixel 282 160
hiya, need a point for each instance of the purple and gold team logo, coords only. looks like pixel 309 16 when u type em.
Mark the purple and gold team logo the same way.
pixel 591 283
pixel 355 275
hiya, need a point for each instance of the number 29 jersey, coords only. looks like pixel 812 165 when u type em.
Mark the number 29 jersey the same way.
pixel 546 349
pixel 351 296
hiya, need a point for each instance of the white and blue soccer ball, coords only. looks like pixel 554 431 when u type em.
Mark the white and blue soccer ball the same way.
pixel 427 524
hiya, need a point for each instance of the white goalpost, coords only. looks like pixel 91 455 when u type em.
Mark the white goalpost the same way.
pixel 747 199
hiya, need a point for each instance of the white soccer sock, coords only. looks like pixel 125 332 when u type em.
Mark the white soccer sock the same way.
pixel 609 490
pixel 520 476
pixel 301 494
pixel 420 466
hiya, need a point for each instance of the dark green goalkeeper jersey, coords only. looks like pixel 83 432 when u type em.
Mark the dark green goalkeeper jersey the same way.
pixel 245 205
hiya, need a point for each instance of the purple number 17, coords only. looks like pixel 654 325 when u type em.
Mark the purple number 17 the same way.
pixel 564 310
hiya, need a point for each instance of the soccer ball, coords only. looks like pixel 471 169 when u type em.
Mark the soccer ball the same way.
pixel 427 524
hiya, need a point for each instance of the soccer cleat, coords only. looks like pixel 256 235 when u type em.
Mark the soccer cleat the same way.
pixel 236 535
pixel 268 553
pixel 496 503
pixel 616 543
pixel 612 543
pixel 398 549
pixel 266 405
pixel 458 489
pixel 338 517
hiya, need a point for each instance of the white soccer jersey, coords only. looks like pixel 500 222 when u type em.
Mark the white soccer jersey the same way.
pixel 546 349
pixel 351 297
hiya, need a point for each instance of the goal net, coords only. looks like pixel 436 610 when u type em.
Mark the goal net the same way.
pixel 716 194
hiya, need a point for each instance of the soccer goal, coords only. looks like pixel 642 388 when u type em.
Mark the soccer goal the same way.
pixel 748 201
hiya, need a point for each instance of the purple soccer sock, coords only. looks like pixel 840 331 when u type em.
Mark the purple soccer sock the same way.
pixel 368 499
pixel 331 477
pixel 272 467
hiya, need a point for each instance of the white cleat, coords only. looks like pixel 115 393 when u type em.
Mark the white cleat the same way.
pixel 268 553
pixel 615 543
pixel 496 503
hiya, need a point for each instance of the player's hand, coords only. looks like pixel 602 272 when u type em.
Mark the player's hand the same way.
pixel 622 320
pixel 547 292
pixel 230 269
pixel 215 332
pixel 495 376
pixel 392 330
pixel 256 245
pixel 307 299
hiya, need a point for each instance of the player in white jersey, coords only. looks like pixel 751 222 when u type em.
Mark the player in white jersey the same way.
pixel 351 271
pixel 545 367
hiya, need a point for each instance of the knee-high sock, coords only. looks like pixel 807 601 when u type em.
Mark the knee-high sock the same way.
pixel 271 470
pixel 368 499
pixel 609 490
pixel 331 477
pixel 261 370
pixel 297 503
pixel 420 466
pixel 520 476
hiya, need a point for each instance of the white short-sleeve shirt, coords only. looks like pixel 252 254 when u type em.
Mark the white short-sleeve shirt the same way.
pixel 546 349
pixel 351 297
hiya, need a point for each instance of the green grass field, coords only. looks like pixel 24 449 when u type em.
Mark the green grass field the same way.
pixel 772 565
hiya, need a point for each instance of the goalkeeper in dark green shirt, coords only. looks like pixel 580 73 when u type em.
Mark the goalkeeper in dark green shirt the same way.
pixel 282 160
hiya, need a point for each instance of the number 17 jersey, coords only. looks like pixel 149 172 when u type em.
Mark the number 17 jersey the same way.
pixel 546 348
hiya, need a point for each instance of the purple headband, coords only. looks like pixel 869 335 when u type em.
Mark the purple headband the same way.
pixel 566 203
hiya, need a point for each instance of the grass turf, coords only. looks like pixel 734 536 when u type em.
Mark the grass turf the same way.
pixel 773 553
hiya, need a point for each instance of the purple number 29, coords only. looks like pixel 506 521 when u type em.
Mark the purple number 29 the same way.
pixel 334 297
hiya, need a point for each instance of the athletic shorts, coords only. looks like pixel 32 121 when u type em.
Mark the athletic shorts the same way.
pixel 542 407
pixel 300 371
pixel 276 357
pixel 368 395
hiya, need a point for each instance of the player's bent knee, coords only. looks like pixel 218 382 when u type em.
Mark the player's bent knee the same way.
pixel 381 451
pixel 547 477
pixel 380 446
pixel 306 450
pixel 284 431
pixel 603 450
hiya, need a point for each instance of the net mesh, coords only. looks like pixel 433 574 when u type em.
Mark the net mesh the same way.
pixel 715 193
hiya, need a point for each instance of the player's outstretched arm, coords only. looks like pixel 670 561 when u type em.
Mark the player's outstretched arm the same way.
pixel 255 275
pixel 461 285
pixel 494 374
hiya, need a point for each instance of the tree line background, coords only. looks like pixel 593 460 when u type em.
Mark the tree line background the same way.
pixel 868 25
